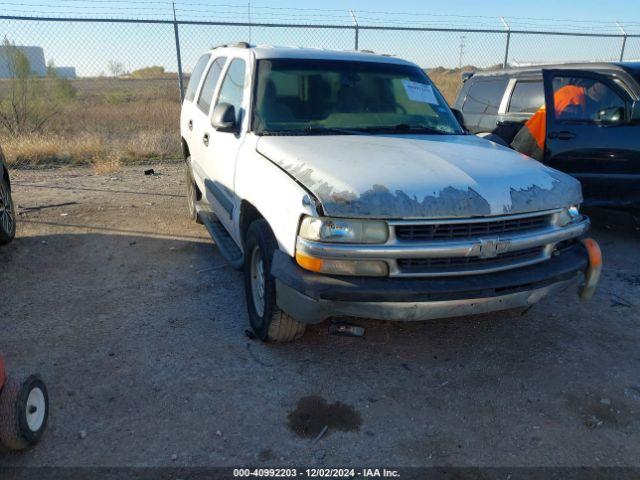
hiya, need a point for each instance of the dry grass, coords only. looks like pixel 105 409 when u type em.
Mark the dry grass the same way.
pixel 110 122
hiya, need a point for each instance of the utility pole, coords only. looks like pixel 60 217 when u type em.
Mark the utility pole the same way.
pixel 461 53
pixel 178 56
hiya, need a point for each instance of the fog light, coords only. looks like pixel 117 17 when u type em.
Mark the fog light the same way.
pixel 364 268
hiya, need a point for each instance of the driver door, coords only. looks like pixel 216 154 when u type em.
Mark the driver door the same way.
pixel 596 144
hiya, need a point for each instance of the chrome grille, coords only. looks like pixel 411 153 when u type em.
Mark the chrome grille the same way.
pixel 465 230
pixel 462 264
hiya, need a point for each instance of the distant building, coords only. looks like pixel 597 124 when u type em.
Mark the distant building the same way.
pixel 65 72
pixel 35 55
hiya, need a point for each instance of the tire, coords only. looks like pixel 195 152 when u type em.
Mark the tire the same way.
pixel 24 411
pixel 269 323
pixel 192 194
pixel 7 212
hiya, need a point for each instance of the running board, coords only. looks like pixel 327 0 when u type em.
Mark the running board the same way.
pixel 227 246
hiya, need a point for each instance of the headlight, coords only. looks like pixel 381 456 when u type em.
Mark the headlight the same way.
pixel 339 230
pixel 569 215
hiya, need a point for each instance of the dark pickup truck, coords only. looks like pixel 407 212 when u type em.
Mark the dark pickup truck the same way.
pixel 597 142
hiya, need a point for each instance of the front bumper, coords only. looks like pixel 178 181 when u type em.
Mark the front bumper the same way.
pixel 312 297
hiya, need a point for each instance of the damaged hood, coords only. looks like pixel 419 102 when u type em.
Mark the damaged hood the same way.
pixel 418 176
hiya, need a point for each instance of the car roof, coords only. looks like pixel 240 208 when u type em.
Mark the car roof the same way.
pixel 272 52
pixel 533 69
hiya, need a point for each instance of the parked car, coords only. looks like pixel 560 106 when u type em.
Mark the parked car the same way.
pixel 342 184
pixel 7 210
pixel 598 144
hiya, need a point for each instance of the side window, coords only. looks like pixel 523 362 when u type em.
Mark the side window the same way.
pixel 585 99
pixel 527 97
pixel 485 95
pixel 196 75
pixel 209 85
pixel 232 88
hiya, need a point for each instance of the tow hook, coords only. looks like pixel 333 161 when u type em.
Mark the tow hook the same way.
pixel 592 275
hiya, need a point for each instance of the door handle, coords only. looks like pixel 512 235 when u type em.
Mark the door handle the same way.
pixel 190 124
pixel 563 135
pixel 505 123
pixel 205 139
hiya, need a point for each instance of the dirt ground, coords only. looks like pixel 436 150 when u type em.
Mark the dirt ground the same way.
pixel 138 327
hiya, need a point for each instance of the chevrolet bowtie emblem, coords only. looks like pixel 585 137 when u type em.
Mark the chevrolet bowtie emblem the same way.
pixel 492 247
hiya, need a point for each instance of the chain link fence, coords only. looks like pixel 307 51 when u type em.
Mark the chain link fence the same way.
pixel 105 93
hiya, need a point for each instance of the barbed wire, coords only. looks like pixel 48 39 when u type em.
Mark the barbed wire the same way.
pixel 251 12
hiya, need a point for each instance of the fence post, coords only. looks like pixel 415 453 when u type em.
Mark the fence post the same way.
pixel 356 28
pixel 178 56
pixel 505 64
pixel 624 40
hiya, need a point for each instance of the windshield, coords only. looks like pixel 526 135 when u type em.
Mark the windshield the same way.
pixel 312 97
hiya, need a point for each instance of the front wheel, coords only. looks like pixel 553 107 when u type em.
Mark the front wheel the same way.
pixel 7 212
pixel 268 321
pixel 24 410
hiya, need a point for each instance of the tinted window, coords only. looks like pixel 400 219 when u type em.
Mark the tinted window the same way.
pixel 485 96
pixel 233 87
pixel 527 97
pixel 209 85
pixel 198 70
pixel 585 99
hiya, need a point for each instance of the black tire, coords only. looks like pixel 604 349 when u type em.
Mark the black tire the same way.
pixel 272 324
pixel 192 193
pixel 7 212
pixel 21 424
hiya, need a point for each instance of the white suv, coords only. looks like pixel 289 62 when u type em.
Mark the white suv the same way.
pixel 343 185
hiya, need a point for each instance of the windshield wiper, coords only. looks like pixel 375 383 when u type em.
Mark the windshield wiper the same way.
pixel 313 131
pixel 406 128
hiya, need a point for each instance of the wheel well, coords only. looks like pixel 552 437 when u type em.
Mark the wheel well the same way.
pixel 248 213
pixel 185 149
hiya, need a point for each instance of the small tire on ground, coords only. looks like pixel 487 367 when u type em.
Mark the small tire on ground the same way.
pixel 272 324
pixel 192 196
pixel 7 212
pixel 16 432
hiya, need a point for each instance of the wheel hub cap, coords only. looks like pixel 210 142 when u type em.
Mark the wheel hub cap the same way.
pixel 6 212
pixel 257 280
pixel 35 409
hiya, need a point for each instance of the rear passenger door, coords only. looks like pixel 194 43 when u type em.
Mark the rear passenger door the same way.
pixel 189 110
pixel 482 103
pixel 201 160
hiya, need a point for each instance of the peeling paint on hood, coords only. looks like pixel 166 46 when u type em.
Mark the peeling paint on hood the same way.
pixel 419 176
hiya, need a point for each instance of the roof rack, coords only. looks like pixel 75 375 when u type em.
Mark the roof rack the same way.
pixel 233 45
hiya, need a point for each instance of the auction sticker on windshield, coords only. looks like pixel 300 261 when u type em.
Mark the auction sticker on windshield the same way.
pixel 419 92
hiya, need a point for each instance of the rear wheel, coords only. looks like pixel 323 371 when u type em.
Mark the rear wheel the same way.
pixel 24 410
pixel 267 320
pixel 7 213
pixel 192 193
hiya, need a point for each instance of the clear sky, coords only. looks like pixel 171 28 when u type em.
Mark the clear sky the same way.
pixel 89 47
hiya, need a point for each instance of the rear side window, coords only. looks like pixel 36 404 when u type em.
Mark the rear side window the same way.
pixel 232 88
pixel 527 97
pixel 209 85
pixel 485 95
pixel 196 75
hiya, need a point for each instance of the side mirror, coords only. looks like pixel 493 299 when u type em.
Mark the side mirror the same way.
pixel 224 118
pixel 459 116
